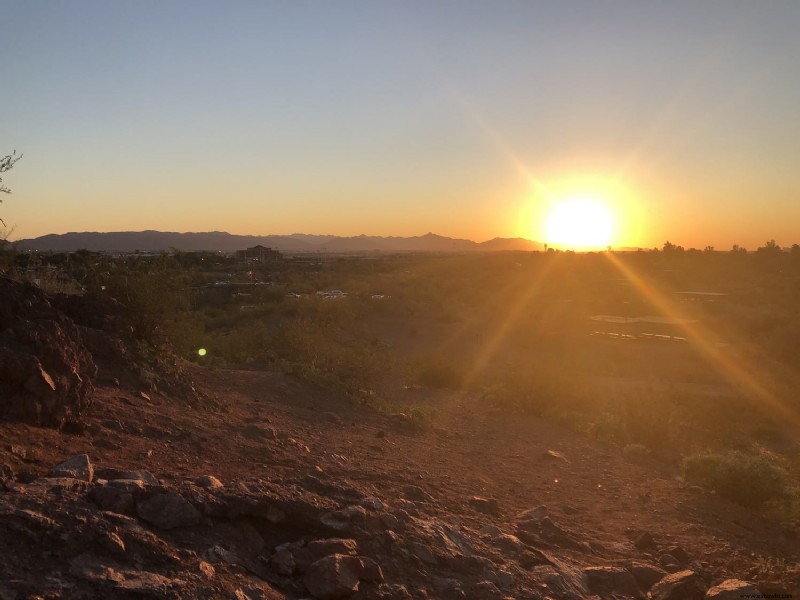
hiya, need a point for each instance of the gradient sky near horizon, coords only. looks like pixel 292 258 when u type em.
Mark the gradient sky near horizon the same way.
pixel 468 119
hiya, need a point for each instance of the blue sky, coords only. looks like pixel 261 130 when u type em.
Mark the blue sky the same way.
pixel 470 119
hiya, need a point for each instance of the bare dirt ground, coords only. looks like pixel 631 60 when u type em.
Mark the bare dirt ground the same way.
pixel 440 509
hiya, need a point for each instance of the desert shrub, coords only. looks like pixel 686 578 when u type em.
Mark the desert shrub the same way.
pixel 636 453
pixel 747 479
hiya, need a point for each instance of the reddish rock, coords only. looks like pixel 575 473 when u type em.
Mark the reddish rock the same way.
pixel 733 589
pixel 683 585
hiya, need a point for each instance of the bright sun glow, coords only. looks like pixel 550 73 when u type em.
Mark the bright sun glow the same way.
pixel 579 223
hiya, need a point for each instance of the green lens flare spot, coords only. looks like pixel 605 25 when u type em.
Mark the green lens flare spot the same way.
pixel 202 352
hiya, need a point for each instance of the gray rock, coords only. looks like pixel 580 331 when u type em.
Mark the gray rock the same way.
pixel 168 510
pixel 335 576
pixel 733 589
pixel 77 467
pixel 683 585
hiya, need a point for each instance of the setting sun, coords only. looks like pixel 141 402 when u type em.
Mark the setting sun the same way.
pixel 579 223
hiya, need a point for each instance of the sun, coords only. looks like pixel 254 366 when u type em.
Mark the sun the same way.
pixel 579 224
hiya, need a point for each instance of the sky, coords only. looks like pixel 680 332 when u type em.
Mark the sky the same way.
pixel 471 119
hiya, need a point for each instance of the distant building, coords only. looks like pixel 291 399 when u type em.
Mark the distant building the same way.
pixel 258 254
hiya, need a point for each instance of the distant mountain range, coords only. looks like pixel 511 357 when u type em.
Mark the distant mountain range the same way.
pixel 155 241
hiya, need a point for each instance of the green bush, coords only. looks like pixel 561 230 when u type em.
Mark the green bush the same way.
pixel 747 479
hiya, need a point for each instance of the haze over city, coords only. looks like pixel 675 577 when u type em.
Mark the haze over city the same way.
pixel 582 124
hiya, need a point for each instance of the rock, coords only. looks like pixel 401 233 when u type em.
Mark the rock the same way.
pixel 370 570
pixel 332 577
pixel 555 455
pixel 533 514
pixel 112 543
pixel 507 543
pixel 116 496
pixel 683 585
pixel 605 581
pixel 503 579
pixel 168 510
pixel 209 482
pixel 282 562
pixel 146 477
pixel 486 590
pixel 257 431
pixel 77 467
pixel 646 575
pixel 422 552
pixel 19 452
pixel 345 519
pixel 416 493
pixel 206 569
pixel 680 554
pixel 122 580
pixel 6 473
pixel 320 548
pixel 562 582
pixel 644 541
pixel 733 589
pixel 669 563
pixel 330 417
pixel 774 589
pixel 218 554
pixel 394 591
pixel 487 506
pixel 372 503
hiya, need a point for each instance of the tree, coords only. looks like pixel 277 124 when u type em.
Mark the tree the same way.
pixel 6 162
pixel 770 247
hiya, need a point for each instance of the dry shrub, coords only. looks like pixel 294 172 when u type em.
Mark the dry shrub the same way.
pixel 747 479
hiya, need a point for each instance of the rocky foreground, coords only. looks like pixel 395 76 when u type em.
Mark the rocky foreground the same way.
pixel 258 485
pixel 277 501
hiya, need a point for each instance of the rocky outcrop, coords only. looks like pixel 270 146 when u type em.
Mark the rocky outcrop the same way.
pixel 46 371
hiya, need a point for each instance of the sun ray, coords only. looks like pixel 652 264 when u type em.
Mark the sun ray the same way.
pixel 722 358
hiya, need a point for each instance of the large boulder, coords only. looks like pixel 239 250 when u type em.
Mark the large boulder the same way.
pixel 46 371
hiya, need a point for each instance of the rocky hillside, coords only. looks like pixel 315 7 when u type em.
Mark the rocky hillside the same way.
pixel 259 485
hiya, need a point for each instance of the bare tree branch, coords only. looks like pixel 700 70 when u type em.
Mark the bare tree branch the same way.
pixel 6 162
